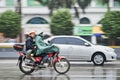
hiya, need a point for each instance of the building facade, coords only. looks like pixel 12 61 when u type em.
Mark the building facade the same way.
pixel 35 17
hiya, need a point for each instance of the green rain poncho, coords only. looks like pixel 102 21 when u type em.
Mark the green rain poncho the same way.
pixel 43 47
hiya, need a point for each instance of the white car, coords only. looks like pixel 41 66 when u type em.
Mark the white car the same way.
pixel 77 48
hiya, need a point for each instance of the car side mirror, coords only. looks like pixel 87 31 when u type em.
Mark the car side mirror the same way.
pixel 87 44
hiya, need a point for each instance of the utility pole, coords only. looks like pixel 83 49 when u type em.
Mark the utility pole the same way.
pixel 19 11
pixel 18 7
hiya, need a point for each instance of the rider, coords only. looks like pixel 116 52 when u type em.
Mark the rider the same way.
pixel 44 48
pixel 30 42
pixel 41 46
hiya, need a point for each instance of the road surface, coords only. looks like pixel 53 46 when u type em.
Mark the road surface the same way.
pixel 81 71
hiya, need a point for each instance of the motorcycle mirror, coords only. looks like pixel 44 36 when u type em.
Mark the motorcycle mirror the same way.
pixel 49 41
pixel 41 33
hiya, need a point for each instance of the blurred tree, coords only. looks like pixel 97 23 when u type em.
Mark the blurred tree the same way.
pixel 108 5
pixel 43 2
pixel 69 4
pixel 51 5
pixel 59 4
pixel 83 4
pixel 56 4
pixel 10 24
pixel 111 25
pixel 61 23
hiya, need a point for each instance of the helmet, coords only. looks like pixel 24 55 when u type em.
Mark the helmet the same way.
pixel 32 32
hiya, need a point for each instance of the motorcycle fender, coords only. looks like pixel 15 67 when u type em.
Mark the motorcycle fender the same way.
pixel 59 58
pixel 19 59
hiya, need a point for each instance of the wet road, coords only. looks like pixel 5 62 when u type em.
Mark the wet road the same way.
pixel 111 71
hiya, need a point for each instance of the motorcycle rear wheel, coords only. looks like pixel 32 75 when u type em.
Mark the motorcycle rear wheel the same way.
pixel 25 68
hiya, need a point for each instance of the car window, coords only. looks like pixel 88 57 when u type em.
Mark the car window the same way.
pixel 60 40
pixel 75 41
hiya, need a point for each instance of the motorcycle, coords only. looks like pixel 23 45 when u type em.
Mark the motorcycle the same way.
pixel 28 64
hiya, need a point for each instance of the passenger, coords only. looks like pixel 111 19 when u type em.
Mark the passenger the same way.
pixel 30 43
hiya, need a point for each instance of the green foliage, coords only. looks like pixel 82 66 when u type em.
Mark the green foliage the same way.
pixel 111 24
pixel 43 2
pixel 56 4
pixel 107 3
pixel 10 24
pixel 61 23
pixel 61 3
pixel 83 4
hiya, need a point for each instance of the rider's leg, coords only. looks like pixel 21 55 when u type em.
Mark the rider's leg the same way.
pixel 28 53
pixel 44 57
pixel 41 64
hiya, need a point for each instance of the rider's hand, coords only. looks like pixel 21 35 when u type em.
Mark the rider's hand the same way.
pixel 53 45
pixel 35 47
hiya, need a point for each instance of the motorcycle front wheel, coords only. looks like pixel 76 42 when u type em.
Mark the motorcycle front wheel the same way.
pixel 62 66
pixel 26 69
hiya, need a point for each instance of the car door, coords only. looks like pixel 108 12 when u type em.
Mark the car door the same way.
pixel 61 43
pixel 79 50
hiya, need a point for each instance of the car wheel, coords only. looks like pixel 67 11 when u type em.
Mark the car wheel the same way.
pixel 98 59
